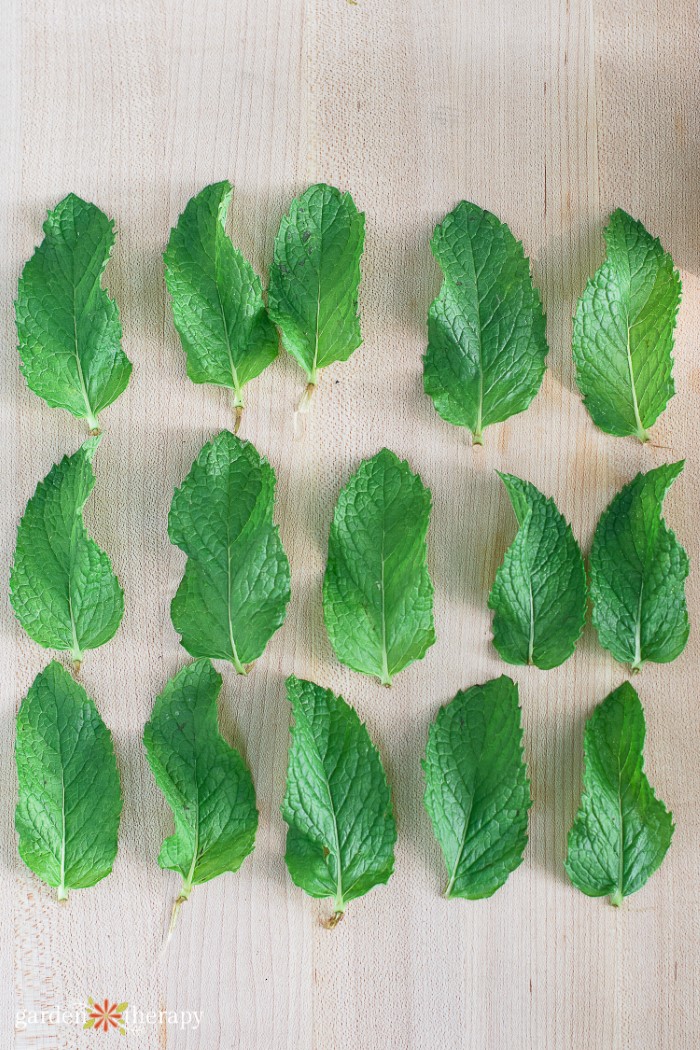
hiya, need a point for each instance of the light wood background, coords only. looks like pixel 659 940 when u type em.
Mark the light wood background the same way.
pixel 548 113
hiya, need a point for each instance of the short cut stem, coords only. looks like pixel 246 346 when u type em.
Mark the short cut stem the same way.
pixel 306 398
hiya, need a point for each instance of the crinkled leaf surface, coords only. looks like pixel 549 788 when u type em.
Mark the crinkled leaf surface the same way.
pixel 638 572
pixel 62 586
pixel 477 790
pixel 486 330
pixel 204 780
pixel 315 277
pixel 69 329
pixel 217 297
pixel 69 803
pixel 236 587
pixel 622 831
pixel 377 593
pixel 623 331
pixel 539 594
pixel 340 841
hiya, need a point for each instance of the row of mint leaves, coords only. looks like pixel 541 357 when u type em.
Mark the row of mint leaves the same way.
pixel 377 590
pixel 338 808
pixel 487 344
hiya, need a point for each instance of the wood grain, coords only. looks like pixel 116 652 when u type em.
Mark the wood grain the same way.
pixel 548 113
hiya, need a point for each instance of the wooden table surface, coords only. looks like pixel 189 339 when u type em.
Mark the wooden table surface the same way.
pixel 548 113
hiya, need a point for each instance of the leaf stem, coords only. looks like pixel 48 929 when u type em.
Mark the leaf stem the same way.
pixel 331 922
pixel 616 898
pixel 305 401
pixel 177 904
pixel 477 438
pixel 77 658
pixel 61 894
pixel 238 418
pixel 240 667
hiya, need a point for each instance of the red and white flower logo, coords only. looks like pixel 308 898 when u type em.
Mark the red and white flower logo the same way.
pixel 106 1016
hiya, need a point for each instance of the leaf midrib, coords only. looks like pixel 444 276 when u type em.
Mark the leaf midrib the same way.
pixel 331 806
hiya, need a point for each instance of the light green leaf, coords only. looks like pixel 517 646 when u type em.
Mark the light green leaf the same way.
pixel 62 587
pixel 477 790
pixel 486 330
pixel 67 816
pixel 377 593
pixel 217 298
pixel 539 594
pixel 69 329
pixel 315 277
pixel 206 783
pixel 622 831
pixel 623 331
pixel 638 572
pixel 341 836
pixel 236 587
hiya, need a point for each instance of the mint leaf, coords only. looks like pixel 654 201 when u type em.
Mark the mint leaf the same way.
pixel 341 836
pixel 477 790
pixel 638 571
pixel 377 593
pixel 486 330
pixel 315 276
pixel 539 594
pixel 62 587
pixel 622 831
pixel 69 329
pixel 206 783
pixel 623 331
pixel 217 298
pixel 67 816
pixel 236 587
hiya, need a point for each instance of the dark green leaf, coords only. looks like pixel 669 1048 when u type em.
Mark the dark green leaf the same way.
pixel 204 780
pixel 486 329
pixel 69 803
pixel 341 836
pixel 377 593
pixel 638 572
pixel 69 329
pixel 477 790
pixel 623 331
pixel 62 587
pixel 539 594
pixel 622 831
pixel 235 591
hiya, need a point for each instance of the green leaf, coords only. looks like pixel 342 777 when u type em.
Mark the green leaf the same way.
pixel 62 587
pixel 539 594
pixel 377 593
pixel 638 571
pixel 477 790
pixel 486 330
pixel 315 277
pixel 217 297
pixel 206 783
pixel 623 331
pixel 69 329
pixel 67 816
pixel 236 587
pixel 622 831
pixel 341 836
